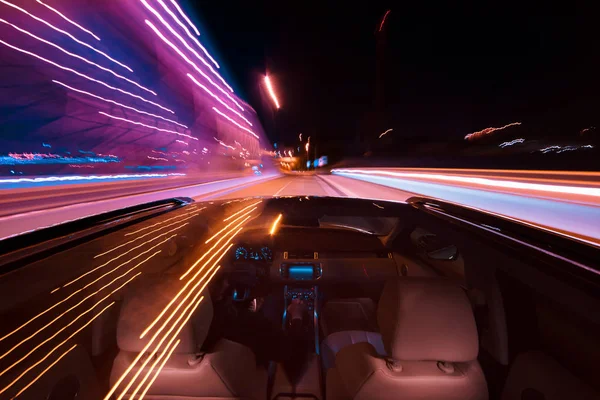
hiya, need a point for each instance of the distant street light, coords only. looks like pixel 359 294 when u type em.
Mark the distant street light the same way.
pixel 306 147
pixel 271 91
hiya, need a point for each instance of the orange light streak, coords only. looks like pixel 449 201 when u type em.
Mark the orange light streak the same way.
pixel 158 371
pixel 143 236
pixel 128 251
pixel 243 209
pixel 275 224
pixel 229 224
pixel 487 131
pixel 55 348
pixel 70 309
pixel 45 370
pixel 162 222
pixel 68 297
pixel 271 91
pixel 181 291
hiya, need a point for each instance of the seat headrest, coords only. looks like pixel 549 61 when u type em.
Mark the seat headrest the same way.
pixel 144 302
pixel 425 319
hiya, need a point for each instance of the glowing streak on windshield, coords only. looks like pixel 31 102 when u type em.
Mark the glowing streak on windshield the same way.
pixel 65 33
pixel 162 364
pixel 242 210
pixel 275 224
pixel 83 75
pixel 229 224
pixel 180 11
pixel 146 126
pixel 234 122
pixel 272 94
pixel 68 20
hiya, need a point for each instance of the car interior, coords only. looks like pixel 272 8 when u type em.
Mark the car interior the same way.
pixel 402 301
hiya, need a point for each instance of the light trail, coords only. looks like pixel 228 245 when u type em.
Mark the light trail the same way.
pixel 86 177
pixel 218 99
pixel 119 104
pixel 166 220
pixel 234 122
pixel 242 210
pixel 76 56
pixel 488 131
pixel 69 20
pixel 66 33
pixel 186 30
pixel 83 75
pixel 44 371
pixel 515 141
pixel 146 126
pixel 153 323
pixel 383 20
pixel 54 349
pixel 191 63
pixel 495 183
pixel 229 224
pixel 180 11
pixel 162 364
pixel 182 40
pixel 212 248
pixel 67 298
pixel 67 311
pixel 383 134
pixel 272 94
pixel 275 224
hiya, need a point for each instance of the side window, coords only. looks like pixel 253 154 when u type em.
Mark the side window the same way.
pixel 438 253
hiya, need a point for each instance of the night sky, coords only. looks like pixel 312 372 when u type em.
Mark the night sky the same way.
pixel 445 71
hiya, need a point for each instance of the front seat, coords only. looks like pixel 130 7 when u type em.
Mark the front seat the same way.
pixel 431 341
pixel 228 371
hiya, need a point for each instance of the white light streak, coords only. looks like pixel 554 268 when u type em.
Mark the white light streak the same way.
pixel 146 126
pixel 234 122
pixel 68 20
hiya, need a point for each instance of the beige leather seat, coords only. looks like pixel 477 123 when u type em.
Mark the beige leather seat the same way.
pixel 429 334
pixel 228 371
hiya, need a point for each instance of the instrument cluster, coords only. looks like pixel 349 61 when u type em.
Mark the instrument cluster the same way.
pixel 263 253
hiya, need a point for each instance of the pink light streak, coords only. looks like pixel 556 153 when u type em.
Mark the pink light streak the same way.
pixel 146 126
pixel 180 11
pixel 83 76
pixel 76 56
pixel 157 158
pixel 182 142
pixel 164 6
pixel 182 55
pixel 218 99
pixel 234 122
pixel 488 131
pixel 223 144
pixel 68 20
pixel 383 20
pixel 66 33
pixel 182 40
pixel 118 104
pixel 271 91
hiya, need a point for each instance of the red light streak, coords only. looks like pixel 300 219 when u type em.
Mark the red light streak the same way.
pixel 272 93
pixel 180 11
pixel 488 131
pixel 234 122
pixel 118 104
pixel 190 62
pixel 45 370
pixel 229 224
pixel 66 33
pixel 164 6
pixel 83 75
pixel 76 56
pixel 146 126
pixel 218 99
pixel 69 20
pixel 54 349
pixel 383 20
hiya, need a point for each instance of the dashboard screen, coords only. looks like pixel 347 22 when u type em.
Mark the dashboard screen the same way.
pixel 301 272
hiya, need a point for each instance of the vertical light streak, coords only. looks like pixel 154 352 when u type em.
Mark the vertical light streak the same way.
pixel 83 75
pixel 146 126
pixel 45 370
pixel 182 40
pixel 76 56
pixel 191 63
pixel 186 30
pixel 66 33
pixel 275 224
pixel 54 349
pixel 181 291
pixel 180 11
pixel 272 93
pixel 242 210
pixel 234 122
pixel 162 364
pixel 118 104
pixel 218 99
pixel 70 309
pixel 69 20
pixel 383 20
pixel 229 224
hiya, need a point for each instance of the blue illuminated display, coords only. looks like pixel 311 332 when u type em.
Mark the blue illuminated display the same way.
pixel 301 272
